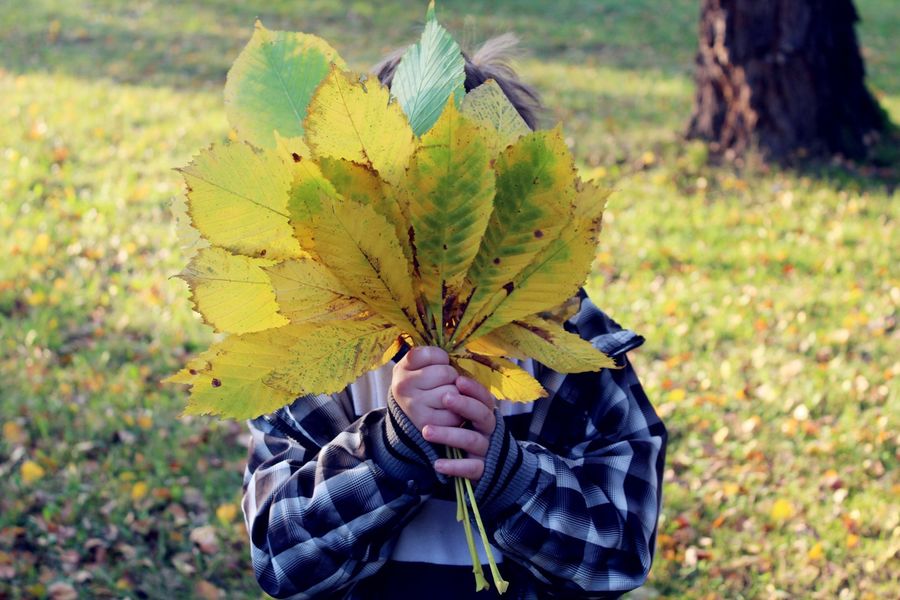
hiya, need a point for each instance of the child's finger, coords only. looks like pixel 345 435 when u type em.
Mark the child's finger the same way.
pixel 422 356
pixel 471 441
pixel 447 418
pixel 469 387
pixel 470 468
pixel 433 376
pixel 481 417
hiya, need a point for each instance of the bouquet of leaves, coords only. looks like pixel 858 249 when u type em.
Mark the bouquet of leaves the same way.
pixel 352 219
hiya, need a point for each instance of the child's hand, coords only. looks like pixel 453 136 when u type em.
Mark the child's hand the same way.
pixel 420 381
pixel 473 402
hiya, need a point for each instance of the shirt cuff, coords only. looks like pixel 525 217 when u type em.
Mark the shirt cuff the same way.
pixel 508 472
pixel 404 453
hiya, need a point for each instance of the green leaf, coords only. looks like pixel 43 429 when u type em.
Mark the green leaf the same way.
pixel 269 86
pixel 534 198
pixel 559 269
pixel 429 72
pixel 450 187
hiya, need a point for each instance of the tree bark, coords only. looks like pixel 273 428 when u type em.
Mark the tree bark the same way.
pixel 784 76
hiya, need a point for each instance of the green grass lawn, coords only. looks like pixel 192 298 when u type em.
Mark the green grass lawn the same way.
pixel 769 299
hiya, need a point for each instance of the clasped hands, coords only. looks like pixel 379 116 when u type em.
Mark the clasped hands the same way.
pixel 438 400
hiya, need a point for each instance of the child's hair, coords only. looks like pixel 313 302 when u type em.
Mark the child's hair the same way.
pixel 491 61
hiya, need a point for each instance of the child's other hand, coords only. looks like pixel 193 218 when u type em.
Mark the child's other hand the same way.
pixel 472 402
pixel 420 381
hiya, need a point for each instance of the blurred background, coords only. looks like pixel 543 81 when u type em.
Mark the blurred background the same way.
pixel 768 296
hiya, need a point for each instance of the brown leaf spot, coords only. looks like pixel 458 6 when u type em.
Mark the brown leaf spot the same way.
pixel 262 252
pixel 192 371
pixel 297 158
pixel 412 245
pixel 538 233
pixel 543 333
pixel 509 287
pixel 216 382
pixel 497 261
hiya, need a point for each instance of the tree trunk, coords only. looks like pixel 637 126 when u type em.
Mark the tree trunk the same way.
pixel 785 76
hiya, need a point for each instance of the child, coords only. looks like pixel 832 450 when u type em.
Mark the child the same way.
pixel 347 496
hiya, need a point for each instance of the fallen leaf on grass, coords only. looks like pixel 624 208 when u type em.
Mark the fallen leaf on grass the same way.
pixel 782 510
pixel 14 434
pixel 62 591
pixel 226 513
pixel 206 539
pixel 816 552
pixel 207 591
pixel 139 490
pixel 31 471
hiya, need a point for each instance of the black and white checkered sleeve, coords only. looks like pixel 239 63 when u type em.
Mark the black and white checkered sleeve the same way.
pixel 325 496
pixel 582 520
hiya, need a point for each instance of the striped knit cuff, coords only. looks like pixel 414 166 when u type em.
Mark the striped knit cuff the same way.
pixel 405 454
pixel 508 471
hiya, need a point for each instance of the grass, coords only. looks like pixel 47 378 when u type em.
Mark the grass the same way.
pixel 769 299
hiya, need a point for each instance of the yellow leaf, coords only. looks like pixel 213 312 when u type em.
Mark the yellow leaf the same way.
pixel 310 194
pixel 333 356
pixel 188 237
pixel 31 471
pixel 237 199
pixel 362 184
pixel 677 395
pixel 13 433
pixel 145 421
pixel 488 106
pixel 360 249
pixel 782 510
pixel 357 121
pixel 271 82
pixel 256 373
pixel 392 350
pixel 450 185
pixel 852 540
pixel 41 244
pixel 228 378
pixel 232 292
pixel 226 513
pixel 191 370
pixel 816 552
pixel 307 292
pixel 291 149
pixel 486 346
pixel 534 200
pixel 549 344
pixel 504 379
pixel 564 312
pixel 139 490
pixel 356 181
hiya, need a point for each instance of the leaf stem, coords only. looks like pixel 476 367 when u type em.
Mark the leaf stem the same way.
pixel 501 583
pixel 462 514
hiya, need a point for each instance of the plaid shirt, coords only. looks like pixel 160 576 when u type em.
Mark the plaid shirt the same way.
pixel 571 501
